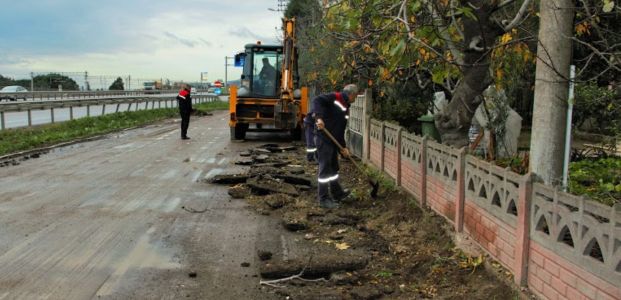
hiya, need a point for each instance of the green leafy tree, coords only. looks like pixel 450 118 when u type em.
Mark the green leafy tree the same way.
pixel 117 85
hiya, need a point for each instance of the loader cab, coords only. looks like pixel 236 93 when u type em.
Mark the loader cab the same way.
pixel 261 71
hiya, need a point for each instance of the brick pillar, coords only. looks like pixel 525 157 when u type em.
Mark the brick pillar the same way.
pixel 423 172
pixel 522 235
pixel 461 191
pixel 398 179
pixel 383 148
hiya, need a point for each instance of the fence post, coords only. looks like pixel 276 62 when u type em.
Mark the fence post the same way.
pixel 88 110
pixel 103 109
pixel 52 114
pixel 118 105
pixel 461 190
pixel 29 117
pixel 2 124
pixel 399 131
pixel 523 230
pixel 129 107
pixel 383 128
pixel 423 172
pixel 366 131
pixel 70 112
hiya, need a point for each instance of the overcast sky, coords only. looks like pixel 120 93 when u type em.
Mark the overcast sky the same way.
pixel 145 39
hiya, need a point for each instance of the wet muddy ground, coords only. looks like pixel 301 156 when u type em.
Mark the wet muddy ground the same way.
pixel 384 248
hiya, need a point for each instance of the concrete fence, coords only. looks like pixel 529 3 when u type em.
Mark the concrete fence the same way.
pixel 559 245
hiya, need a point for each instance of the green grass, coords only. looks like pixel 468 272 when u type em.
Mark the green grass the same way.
pixel 599 179
pixel 20 139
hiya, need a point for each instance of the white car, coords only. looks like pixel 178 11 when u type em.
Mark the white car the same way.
pixel 13 92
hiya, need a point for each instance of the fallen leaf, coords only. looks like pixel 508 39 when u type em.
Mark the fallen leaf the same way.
pixel 342 246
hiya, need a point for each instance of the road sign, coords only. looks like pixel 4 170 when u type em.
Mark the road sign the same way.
pixel 217 84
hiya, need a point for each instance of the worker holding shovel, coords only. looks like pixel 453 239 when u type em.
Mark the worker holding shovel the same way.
pixel 331 114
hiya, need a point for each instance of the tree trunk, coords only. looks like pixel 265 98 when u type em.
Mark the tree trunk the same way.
pixel 551 89
pixel 480 35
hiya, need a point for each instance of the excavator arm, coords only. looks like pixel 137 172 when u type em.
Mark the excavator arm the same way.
pixel 286 81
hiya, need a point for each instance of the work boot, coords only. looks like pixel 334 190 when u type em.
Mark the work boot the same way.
pixel 342 197
pixel 324 196
pixel 338 193
pixel 328 203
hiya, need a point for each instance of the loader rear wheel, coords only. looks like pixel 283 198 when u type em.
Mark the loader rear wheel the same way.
pixel 239 131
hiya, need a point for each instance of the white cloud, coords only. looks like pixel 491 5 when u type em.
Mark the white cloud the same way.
pixel 147 39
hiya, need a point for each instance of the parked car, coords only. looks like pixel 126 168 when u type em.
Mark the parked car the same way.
pixel 13 92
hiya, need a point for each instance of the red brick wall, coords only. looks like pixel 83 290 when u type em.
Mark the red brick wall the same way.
pixel 390 161
pixel 376 152
pixel 441 198
pixel 495 236
pixel 550 276
pixel 411 177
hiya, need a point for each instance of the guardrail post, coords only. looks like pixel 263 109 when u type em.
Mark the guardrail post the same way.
pixel 2 125
pixel 52 114
pixel 70 112
pixel 29 117
pixel 103 109
pixel 88 110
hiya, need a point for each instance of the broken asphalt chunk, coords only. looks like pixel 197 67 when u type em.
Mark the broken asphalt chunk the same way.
pixel 229 179
pixel 239 191
pixel 294 179
pixel 295 221
pixel 263 185
pixel 320 265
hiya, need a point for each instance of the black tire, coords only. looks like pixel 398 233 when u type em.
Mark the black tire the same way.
pixel 296 134
pixel 239 132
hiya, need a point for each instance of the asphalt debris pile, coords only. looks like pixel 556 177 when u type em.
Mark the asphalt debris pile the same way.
pixel 274 170
pixel 366 249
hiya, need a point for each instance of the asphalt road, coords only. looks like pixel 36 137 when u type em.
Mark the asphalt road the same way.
pixel 104 219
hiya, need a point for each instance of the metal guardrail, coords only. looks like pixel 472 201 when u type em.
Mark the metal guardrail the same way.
pixel 55 95
pixel 155 101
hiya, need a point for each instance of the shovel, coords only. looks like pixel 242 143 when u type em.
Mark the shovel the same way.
pixel 374 184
